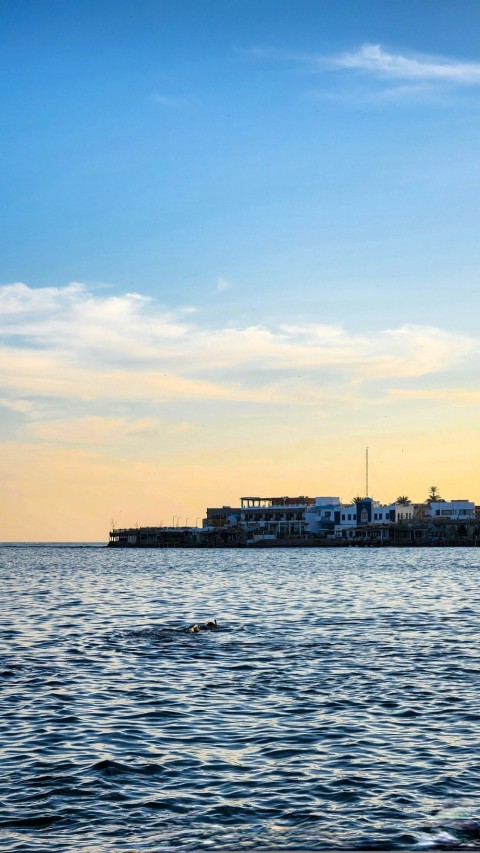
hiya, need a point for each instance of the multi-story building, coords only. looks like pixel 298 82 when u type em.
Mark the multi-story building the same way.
pixel 315 522
pixel 303 517
pixel 267 518
pixel 330 516
pixel 457 510
pixel 283 517
pixel 221 516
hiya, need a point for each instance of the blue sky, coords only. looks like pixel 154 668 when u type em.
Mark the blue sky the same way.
pixel 289 190
pixel 162 146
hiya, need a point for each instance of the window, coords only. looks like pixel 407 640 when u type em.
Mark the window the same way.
pixel 343 516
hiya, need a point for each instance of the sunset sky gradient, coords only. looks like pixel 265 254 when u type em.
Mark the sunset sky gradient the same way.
pixel 239 245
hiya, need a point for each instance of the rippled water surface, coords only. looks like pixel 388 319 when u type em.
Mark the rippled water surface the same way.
pixel 337 705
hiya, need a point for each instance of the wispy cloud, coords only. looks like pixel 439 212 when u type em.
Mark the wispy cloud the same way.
pixel 168 100
pixel 72 344
pixel 264 52
pixel 19 299
pixel 382 75
pixel 23 406
pixel 373 59
pixel 89 381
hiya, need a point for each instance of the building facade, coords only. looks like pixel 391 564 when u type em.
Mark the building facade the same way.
pixel 326 516
pixel 321 521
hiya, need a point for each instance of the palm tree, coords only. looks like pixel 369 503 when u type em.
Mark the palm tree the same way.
pixel 357 500
pixel 433 495
pixel 403 500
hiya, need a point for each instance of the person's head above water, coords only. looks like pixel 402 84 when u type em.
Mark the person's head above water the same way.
pixel 208 626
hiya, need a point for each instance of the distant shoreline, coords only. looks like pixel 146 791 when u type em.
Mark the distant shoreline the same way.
pixel 341 545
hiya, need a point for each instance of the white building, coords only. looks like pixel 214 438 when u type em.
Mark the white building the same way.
pixel 285 517
pixel 332 517
pixel 403 512
pixel 459 510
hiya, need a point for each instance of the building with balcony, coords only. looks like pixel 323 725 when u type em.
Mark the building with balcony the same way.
pixel 305 521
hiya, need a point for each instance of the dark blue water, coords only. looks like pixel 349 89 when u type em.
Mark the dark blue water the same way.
pixel 338 704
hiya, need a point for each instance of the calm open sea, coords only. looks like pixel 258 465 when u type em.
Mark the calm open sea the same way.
pixel 338 704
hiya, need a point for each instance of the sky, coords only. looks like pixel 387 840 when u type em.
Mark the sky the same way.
pixel 239 245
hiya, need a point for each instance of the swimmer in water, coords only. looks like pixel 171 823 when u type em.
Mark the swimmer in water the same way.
pixel 454 826
pixel 207 626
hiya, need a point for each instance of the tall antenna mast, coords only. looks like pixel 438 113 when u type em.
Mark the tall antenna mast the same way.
pixel 366 472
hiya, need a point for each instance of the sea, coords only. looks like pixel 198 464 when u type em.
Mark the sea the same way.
pixel 336 706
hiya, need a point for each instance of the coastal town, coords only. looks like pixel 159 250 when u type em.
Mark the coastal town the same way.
pixel 317 522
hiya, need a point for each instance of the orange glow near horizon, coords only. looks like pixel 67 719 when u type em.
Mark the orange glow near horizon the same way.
pixel 132 416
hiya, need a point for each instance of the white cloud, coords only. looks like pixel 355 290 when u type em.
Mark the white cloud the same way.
pixel 19 299
pixel 373 59
pixel 393 76
pixel 73 345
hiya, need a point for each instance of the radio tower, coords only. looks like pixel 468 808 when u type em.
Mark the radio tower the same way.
pixel 366 472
